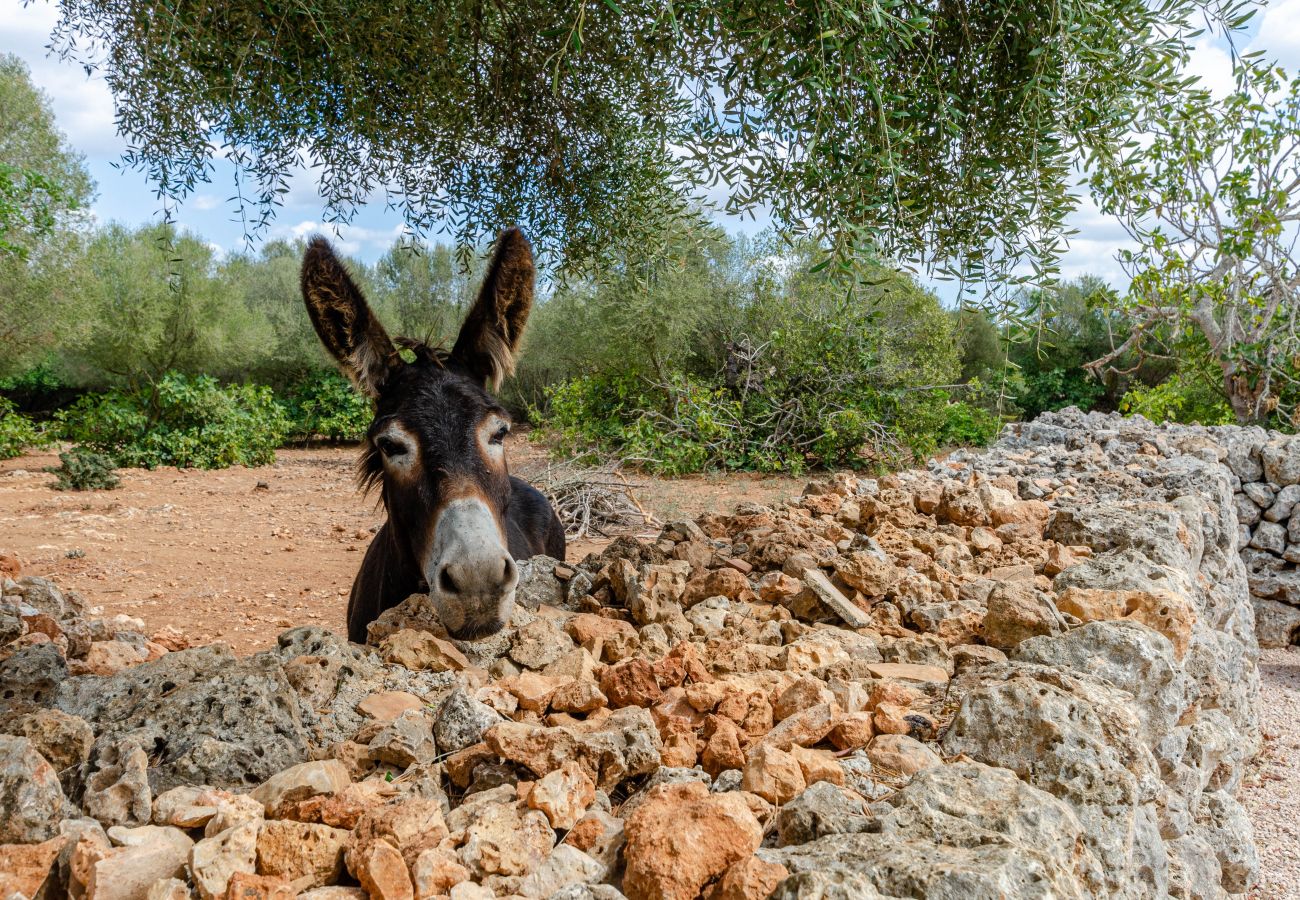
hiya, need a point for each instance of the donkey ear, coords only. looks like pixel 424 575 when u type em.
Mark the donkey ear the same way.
pixel 344 321
pixel 494 326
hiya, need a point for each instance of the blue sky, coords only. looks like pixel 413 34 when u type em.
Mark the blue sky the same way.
pixel 83 106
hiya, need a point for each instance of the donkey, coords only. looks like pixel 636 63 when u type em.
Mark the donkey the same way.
pixel 457 519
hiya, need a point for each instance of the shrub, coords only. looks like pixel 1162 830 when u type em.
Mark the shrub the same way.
pixel 180 421
pixel 326 405
pixel 84 470
pixel 1183 397
pixel 690 425
pixel 17 432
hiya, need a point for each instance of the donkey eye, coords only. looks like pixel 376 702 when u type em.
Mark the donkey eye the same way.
pixel 390 447
pixel 500 436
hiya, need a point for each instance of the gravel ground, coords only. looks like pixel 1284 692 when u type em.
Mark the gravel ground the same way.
pixel 1271 793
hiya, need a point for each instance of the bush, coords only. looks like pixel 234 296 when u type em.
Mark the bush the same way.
pixel 326 405
pixel 17 432
pixel 84 470
pixel 1183 397
pixel 180 421
pixel 691 425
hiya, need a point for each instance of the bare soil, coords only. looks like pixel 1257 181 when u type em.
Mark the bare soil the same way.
pixel 241 554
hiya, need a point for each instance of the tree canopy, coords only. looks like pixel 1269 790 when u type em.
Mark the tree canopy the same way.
pixel 941 131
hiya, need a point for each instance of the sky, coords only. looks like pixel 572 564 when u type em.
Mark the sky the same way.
pixel 83 107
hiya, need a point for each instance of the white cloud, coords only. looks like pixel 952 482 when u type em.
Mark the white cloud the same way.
pixel 354 240
pixel 82 104
pixel 203 202
pixel 1279 34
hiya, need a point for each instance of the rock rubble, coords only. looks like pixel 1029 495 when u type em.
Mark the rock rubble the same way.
pixel 1022 672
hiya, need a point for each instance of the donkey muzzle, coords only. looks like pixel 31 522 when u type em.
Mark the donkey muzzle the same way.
pixel 470 572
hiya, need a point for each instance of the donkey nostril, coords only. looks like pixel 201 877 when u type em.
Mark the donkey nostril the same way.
pixel 446 583
pixel 508 571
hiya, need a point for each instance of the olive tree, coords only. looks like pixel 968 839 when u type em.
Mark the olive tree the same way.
pixel 1209 190
pixel 936 131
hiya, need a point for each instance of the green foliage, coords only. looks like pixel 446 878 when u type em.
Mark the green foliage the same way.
pixel 84 470
pixel 1207 193
pixel 44 192
pixel 326 405
pixel 179 421
pixel 1181 398
pixel 913 129
pixel 17 432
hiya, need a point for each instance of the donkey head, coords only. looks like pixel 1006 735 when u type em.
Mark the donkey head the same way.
pixel 435 446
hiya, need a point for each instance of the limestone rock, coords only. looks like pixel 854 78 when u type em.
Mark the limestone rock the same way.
pixel 682 837
pixel 308 855
pixel 30 795
pixel 215 859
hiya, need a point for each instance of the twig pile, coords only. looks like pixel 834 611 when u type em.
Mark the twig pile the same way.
pixel 595 500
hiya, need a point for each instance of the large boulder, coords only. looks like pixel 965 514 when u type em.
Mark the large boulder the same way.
pixel 201 716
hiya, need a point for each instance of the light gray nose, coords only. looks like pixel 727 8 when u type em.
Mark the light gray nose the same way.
pixel 471 574
pixel 490 577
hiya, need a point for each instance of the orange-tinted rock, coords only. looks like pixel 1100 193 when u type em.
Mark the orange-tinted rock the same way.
pixel 682 837
pixel 772 774
pixel 630 683
pixel 749 879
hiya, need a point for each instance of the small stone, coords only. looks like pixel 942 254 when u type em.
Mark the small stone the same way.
pixel 567 866
pixel 117 792
pixel 773 774
pixel 578 697
pixel 25 867
pixel 30 795
pixel 435 872
pixel 832 599
pixel 214 860
pixel 384 706
pixel 750 879
pixel 182 808
pixel 539 643
pixel 382 873
pixel 64 740
pixel 902 754
pixel 563 795
pixel 630 683
pixel 1016 611
pixel 419 650
pixel 309 779
pixel 820 810
pixel 501 840
pixel 461 720
pixel 852 731
pixel 244 886
pixel 804 693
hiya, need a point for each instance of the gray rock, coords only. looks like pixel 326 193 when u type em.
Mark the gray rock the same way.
pixel 539 643
pixel 820 810
pixel 1284 504
pixel 30 795
pixel 1243 457
pixel 1276 624
pixel 836 884
pixel 117 788
pixel 30 678
pixel 1281 458
pixel 538 585
pixel 1260 494
pixel 1247 512
pixel 1225 827
pixel 1269 537
pixel 405 741
pixel 461 720
pixel 588 892
pixel 1128 655
pixel 201 715
pixel 1075 737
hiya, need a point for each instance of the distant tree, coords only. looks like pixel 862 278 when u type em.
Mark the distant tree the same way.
pixel 421 291
pixel 909 130
pixel 1211 196
pixel 153 304
pixel 44 191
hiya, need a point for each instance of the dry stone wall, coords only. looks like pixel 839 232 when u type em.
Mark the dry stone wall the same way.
pixel 1024 672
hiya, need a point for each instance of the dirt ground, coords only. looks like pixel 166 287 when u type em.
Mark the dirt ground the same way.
pixel 241 554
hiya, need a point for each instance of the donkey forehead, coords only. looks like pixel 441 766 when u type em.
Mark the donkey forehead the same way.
pixel 441 409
